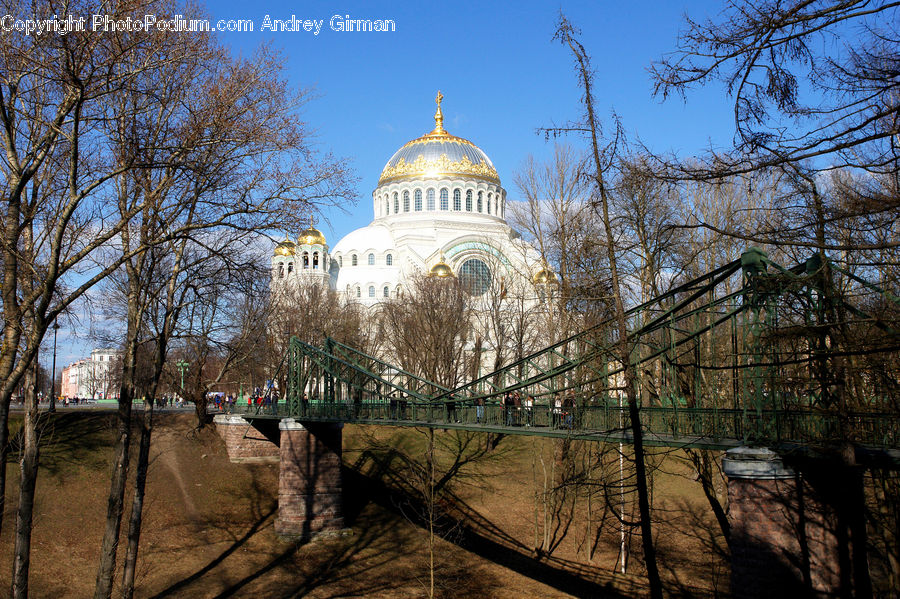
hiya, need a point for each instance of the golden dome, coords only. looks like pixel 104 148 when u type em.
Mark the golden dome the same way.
pixel 441 270
pixel 285 248
pixel 544 276
pixel 439 153
pixel 311 236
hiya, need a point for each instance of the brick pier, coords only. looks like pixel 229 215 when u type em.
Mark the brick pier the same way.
pixel 248 443
pixel 784 529
pixel 309 485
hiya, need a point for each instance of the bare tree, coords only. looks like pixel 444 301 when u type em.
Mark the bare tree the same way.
pixel 312 311
pixel 828 68
pixel 427 471
pixel 603 157
pixel 556 216
pixel 426 329
pixel 170 140
pixel 815 98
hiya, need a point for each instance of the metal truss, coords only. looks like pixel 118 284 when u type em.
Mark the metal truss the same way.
pixel 747 353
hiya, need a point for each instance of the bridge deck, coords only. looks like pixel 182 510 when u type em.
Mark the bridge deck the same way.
pixel 702 428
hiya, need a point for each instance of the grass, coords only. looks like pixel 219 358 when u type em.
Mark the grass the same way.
pixel 208 528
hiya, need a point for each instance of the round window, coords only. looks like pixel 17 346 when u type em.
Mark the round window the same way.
pixel 475 276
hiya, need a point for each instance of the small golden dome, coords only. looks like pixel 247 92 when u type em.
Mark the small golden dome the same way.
pixel 311 236
pixel 441 270
pixel 544 277
pixel 285 248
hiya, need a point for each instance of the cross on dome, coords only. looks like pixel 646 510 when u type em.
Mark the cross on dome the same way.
pixel 438 115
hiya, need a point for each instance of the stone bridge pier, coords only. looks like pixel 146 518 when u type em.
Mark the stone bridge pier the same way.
pixel 249 442
pixel 310 489
pixel 791 532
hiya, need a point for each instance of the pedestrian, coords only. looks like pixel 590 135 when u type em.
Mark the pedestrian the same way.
pixel 556 410
pixel 569 408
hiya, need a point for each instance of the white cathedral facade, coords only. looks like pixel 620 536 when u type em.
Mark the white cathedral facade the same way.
pixel 439 208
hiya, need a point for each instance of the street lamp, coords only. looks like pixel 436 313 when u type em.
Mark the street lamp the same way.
pixel 53 380
pixel 182 366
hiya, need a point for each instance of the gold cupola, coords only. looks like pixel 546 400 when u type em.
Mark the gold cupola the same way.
pixel 311 236
pixel 441 270
pixel 285 248
pixel 438 154
pixel 544 276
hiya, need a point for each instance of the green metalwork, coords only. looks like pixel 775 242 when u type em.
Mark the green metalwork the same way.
pixel 733 356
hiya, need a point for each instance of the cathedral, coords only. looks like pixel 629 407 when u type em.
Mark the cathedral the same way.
pixel 439 208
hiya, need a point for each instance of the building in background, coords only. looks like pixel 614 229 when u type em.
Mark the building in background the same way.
pixel 438 208
pixel 97 377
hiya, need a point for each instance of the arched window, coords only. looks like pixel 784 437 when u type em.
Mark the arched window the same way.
pixel 353 260
pixel 474 276
pixel 469 201
pixel 387 206
pixel 387 292
pixel 405 201
pixel 429 196
pixel 489 204
pixel 445 199
pixel 371 290
pixel 305 259
pixel 315 263
pixel 340 261
pixel 479 200
pixel 396 203
pixel 358 292
pixel 457 200
pixel 281 271
pixel 389 260
pixel 290 267
pixel 418 198
pixel 371 259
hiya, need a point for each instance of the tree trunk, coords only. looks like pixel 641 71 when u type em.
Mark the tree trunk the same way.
pixel 4 453
pixel 200 408
pixel 28 467
pixel 116 499
pixel 566 34
pixel 137 504
pixel 11 326
pixel 431 512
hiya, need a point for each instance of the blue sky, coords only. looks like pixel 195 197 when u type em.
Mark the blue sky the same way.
pixel 501 74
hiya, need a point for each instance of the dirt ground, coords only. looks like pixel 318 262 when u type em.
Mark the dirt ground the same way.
pixel 208 527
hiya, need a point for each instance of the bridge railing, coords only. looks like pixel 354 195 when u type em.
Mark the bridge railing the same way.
pixel 661 425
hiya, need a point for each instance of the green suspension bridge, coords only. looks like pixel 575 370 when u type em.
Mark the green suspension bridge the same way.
pixel 749 353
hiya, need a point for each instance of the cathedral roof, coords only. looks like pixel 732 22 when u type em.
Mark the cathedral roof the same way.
pixel 439 153
pixel 441 270
pixel 285 248
pixel 311 236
